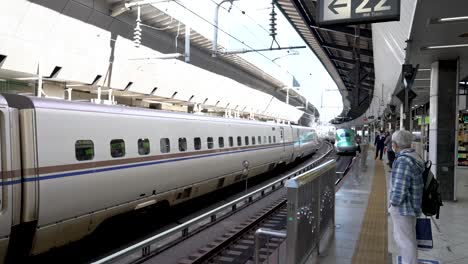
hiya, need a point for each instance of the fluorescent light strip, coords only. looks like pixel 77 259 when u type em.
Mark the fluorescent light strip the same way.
pixel 445 47
pixel 452 19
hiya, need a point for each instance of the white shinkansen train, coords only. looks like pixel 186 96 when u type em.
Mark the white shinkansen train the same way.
pixel 68 166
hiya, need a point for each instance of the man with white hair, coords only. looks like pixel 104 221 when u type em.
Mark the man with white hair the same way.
pixel 406 195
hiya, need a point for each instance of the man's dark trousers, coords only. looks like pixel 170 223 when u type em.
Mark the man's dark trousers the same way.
pixel 378 150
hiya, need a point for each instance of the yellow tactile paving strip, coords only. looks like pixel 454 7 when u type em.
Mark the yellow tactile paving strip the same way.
pixel 372 245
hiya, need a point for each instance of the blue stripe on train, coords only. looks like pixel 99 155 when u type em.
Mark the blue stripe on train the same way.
pixel 76 173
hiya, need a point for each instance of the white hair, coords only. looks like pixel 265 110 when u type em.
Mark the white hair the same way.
pixel 402 138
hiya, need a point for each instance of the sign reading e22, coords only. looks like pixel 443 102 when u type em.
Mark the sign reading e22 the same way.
pixel 377 8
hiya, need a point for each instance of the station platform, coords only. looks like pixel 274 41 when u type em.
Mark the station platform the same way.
pixel 363 229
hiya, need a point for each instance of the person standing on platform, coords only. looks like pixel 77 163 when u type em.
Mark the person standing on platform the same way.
pixel 406 195
pixel 390 152
pixel 379 144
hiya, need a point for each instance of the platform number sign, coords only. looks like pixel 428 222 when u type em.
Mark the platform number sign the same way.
pixel 357 11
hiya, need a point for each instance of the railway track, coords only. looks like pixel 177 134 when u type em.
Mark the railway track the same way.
pixel 233 245
pixel 238 244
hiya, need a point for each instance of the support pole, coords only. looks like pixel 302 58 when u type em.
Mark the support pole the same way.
pixel 69 94
pixel 110 95
pixel 402 115
pixel 407 120
pixel 187 43
pixel 99 94
pixel 39 80
pixel 214 52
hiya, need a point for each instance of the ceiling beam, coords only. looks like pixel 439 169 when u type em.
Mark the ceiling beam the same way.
pixel 369 80
pixel 370 76
pixel 369 83
pixel 352 62
pixel 363 86
pixel 364 33
pixel 364 52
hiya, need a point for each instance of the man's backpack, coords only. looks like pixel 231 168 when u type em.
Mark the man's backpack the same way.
pixel 431 199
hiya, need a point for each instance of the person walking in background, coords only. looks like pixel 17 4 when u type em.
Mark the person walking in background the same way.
pixel 379 143
pixel 390 152
pixel 406 195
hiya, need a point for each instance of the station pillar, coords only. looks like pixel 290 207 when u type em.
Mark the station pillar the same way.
pixel 442 128
pixel 402 116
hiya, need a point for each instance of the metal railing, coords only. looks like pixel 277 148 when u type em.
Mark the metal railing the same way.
pixel 268 234
pixel 311 211
pixel 157 243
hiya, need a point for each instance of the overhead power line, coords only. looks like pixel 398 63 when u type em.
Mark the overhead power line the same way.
pixel 228 34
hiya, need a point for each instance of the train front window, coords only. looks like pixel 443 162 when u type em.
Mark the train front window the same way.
pixel 345 134
pixel 84 150
pixel 182 144
pixel 117 148
pixel 143 146
pixel 210 143
pixel 165 145
pixel 197 143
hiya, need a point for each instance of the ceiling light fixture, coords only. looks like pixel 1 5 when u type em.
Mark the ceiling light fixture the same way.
pixel 452 19
pixel 445 47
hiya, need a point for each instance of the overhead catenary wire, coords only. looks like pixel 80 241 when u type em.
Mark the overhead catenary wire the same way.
pixel 245 14
pixel 228 34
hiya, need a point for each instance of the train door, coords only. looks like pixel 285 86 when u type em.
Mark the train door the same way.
pixel 282 138
pixel 5 188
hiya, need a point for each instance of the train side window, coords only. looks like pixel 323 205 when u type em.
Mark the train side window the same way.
pixel 84 150
pixel 117 148
pixel 165 145
pixel 259 140
pixel 182 144
pixel 269 139
pixel 239 141
pixel 253 140
pixel 231 141
pixel 143 146
pixel 246 141
pixel 221 142
pixel 264 139
pixel 209 142
pixel 197 143
pixel 274 139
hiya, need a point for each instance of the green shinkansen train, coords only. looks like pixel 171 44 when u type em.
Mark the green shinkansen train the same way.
pixel 345 141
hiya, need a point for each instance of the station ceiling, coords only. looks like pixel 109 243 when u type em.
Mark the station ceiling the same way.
pixel 432 39
pixel 336 48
